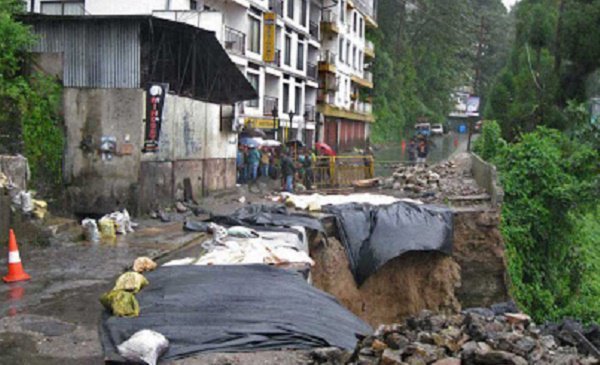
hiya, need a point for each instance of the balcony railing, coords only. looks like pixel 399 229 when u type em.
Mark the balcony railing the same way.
pixel 362 107
pixel 269 104
pixel 277 60
pixel 252 103
pixel 326 98
pixel 276 6
pixel 309 111
pixel 368 76
pixel 314 29
pixel 312 71
pixel 329 84
pixel 329 16
pixel 328 57
pixel 235 41
pixel 369 45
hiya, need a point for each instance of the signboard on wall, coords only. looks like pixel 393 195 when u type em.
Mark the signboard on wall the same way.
pixel 473 106
pixel 261 123
pixel 155 103
pixel 269 32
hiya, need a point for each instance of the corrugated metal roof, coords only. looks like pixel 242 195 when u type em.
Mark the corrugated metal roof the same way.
pixel 95 55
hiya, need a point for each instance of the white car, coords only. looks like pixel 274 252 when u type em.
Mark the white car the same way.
pixel 437 129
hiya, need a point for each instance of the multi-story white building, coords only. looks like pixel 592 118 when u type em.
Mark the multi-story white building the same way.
pixel 345 80
pixel 321 57
pixel 287 85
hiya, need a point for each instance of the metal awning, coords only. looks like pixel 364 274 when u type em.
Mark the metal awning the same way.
pixel 130 51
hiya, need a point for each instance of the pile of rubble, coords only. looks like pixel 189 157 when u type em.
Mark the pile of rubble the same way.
pixel 443 180
pixel 475 337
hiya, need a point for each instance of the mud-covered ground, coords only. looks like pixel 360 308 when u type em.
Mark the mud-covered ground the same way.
pixel 53 318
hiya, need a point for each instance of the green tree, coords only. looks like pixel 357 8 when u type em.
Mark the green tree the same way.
pixel 29 102
pixel 548 181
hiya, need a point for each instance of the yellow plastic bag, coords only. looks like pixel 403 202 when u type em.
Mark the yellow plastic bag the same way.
pixel 131 281
pixel 107 228
pixel 121 303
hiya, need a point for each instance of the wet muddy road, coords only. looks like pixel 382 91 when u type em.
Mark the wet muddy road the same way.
pixel 53 318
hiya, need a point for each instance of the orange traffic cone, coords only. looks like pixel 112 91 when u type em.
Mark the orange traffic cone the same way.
pixel 15 268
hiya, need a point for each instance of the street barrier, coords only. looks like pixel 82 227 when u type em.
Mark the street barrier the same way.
pixel 341 171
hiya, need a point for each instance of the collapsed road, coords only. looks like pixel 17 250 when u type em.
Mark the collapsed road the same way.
pixel 54 318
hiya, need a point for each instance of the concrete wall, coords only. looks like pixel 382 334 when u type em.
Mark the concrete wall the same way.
pixel 487 177
pixel 94 184
pixel 193 145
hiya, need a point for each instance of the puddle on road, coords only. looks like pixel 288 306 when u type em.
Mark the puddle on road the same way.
pixel 79 305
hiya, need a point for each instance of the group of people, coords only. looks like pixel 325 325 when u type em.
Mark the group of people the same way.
pixel 273 162
pixel 418 149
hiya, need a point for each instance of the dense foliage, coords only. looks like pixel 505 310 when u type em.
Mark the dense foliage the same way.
pixel 490 143
pixel 425 50
pixel 549 182
pixel 553 62
pixel 550 176
pixel 29 103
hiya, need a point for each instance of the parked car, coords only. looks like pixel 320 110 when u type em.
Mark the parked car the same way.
pixel 437 129
pixel 423 129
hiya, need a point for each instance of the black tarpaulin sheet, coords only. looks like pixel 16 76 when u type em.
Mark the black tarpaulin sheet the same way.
pixel 234 309
pixel 373 235
pixel 268 215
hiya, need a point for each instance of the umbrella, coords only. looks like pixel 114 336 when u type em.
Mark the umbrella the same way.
pixel 251 141
pixel 255 132
pixel 324 149
pixel 270 143
pixel 295 142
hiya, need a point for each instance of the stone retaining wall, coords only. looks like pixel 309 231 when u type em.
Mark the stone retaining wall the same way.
pixel 486 176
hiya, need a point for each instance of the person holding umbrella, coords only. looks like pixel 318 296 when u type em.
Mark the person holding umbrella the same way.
pixel 253 162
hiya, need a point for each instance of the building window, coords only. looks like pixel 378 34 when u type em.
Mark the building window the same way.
pixel 362 28
pixel 300 58
pixel 342 11
pixel 354 57
pixel 298 109
pixel 360 60
pixel 290 9
pixel 288 50
pixel 348 53
pixel 254 81
pixel 286 98
pixel 254 34
pixel 193 4
pixel 341 50
pixel 303 12
pixel 355 23
pixel 63 7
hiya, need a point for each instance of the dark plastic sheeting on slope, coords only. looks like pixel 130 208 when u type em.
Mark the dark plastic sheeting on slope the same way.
pixel 373 235
pixel 234 309
pixel 268 215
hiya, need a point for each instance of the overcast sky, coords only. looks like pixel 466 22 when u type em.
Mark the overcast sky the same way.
pixel 509 3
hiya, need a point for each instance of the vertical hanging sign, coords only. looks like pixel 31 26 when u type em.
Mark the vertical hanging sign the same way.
pixel 155 103
pixel 269 31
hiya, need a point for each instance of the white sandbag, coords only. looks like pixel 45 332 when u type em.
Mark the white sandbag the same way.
pixel 90 228
pixel 144 346
pixel 242 232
